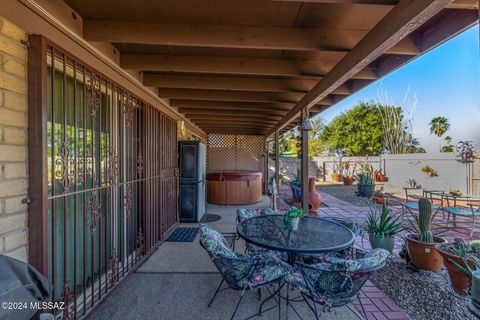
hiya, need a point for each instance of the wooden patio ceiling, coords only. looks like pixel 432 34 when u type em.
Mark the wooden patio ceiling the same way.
pixel 251 66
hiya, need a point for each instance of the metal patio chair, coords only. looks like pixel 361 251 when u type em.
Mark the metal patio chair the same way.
pixel 241 272
pixel 336 283
pixel 244 214
pixel 411 200
pixel 463 206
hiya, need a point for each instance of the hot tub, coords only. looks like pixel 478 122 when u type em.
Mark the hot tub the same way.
pixel 234 187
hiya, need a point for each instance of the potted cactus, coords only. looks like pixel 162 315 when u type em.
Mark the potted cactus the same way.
pixel 421 243
pixel 461 260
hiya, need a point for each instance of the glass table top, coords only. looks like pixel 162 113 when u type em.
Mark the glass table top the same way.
pixel 314 235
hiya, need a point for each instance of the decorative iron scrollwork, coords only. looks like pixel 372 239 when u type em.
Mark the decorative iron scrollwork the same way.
pixel 93 94
pixel 112 166
pixel 140 164
pixel 63 166
pixel 67 297
pixel 128 110
pixel 128 200
pixel 114 267
pixel 140 243
pixel 94 208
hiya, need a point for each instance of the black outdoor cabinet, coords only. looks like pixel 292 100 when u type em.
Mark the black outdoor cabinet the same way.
pixel 192 165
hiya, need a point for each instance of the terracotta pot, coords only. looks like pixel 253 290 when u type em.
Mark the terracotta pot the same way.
pixel 459 280
pixel 314 198
pixel 378 199
pixel 336 177
pixel 347 181
pixel 424 255
pixel 380 177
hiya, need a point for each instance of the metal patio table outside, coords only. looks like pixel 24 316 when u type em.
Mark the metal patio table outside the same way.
pixel 313 236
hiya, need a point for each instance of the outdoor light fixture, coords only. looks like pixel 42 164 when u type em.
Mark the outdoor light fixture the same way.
pixel 306 125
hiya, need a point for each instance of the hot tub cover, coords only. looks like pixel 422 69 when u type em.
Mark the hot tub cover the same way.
pixel 21 283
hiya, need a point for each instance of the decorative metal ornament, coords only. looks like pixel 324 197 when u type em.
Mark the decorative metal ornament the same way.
pixel 94 217
pixel 140 163
pixel 140 243
pixel 466 151
pixel 63 163
pixel 128 200
pixel 112 166
pixel 306 124
pixel 93 94
pixel 114 267
pixel 67 297
pixel 128 110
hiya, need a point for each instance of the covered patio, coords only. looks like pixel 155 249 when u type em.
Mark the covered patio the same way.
pixel 113 86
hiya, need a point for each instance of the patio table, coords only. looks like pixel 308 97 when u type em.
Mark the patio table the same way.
pixel 313 236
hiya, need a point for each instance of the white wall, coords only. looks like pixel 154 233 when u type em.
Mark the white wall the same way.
pixel 451 173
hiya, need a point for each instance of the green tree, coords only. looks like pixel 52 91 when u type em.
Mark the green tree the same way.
pixel 357 131
pixel 439 125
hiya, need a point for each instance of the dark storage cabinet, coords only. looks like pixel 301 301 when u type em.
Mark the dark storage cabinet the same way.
pixel 192 158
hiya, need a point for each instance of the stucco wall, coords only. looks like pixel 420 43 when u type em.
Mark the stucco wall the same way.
pixel 13 141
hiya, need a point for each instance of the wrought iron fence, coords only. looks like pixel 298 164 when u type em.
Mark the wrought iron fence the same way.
pixel 110 189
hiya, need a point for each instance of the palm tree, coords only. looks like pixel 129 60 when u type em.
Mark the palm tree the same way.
pixel 439 125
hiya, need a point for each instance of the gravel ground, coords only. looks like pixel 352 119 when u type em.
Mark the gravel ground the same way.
pixel 345 193
pixel 422 295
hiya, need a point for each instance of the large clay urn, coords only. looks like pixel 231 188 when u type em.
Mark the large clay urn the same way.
pixel 314 198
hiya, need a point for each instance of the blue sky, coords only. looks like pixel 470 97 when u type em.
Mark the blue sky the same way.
pixel 444 82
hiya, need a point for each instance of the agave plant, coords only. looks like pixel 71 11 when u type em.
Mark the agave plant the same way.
pixel 383 223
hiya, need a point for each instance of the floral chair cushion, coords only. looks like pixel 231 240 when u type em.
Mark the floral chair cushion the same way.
pixel 337 282
pixel 214 242
pixel 241 271
pixel 243 214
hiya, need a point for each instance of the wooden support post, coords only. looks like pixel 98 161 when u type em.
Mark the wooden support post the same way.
pixel 304 169
pixel 277 160
pixel 265 168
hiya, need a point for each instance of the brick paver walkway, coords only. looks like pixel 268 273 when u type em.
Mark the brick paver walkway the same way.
pixel 378 306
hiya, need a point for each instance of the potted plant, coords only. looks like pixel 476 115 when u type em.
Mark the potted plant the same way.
pixel 382 227
pixel 429 171
pixel 292 217
pixel 460 259
pixel 365 182
pixel 336 175
pixel 347 173
pixel 380 176
pixel 421 243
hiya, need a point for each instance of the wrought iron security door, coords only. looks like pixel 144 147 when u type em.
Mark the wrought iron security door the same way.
pixel 108 163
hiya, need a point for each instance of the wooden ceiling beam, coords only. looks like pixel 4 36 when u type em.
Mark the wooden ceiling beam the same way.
pixel 458 4
pixel 400 21
pixel 226 95
pixel 236 132
pixel 252 113
pixel 232 105
pixel 296 68
pixel 203 117
pixel 230 36
pixel 176 81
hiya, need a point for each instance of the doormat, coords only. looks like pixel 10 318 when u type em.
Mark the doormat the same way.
pixel 183 234
pixel 207 218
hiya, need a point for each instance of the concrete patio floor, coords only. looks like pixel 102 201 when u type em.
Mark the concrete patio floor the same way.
pixel 178 280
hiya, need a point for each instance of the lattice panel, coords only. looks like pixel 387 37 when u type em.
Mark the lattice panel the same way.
pixel 235 152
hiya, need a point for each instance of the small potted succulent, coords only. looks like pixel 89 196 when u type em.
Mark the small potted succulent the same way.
pixel 292 217
pixel 421 243
pixel 365 182
pixel 461 260
pixel 382 227
pixel 380 176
